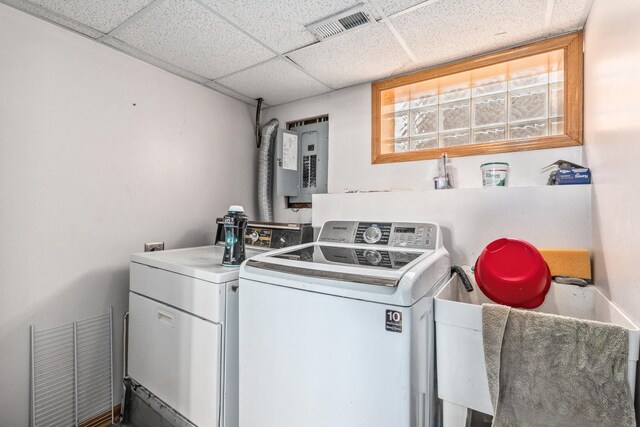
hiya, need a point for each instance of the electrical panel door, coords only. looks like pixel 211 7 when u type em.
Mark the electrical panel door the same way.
pixel 301 161
pixel 287 163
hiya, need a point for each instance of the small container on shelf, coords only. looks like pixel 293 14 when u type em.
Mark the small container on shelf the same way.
pixel 495 174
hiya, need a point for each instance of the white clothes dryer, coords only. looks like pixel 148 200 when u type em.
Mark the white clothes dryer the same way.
pixel 183 324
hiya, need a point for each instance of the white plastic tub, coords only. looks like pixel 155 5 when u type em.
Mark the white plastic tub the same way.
pixel 495 174
pixel 462 376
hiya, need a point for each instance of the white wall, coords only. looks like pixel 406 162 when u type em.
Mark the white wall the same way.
pixel 350 152
pixel 612 147
pixel 86 178
pixel 470 218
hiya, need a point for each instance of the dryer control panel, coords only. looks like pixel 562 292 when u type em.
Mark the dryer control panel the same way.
pixel 271 235
pixel 397 234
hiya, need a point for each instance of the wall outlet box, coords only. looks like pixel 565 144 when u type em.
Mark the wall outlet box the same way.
pixel 154 246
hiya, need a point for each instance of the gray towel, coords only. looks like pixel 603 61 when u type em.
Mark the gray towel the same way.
pixel 548 370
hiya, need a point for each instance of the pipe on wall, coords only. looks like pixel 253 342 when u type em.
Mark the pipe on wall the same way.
pixel 258 110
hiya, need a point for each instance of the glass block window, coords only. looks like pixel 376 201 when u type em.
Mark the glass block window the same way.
pixel 518 99
pixel 504 105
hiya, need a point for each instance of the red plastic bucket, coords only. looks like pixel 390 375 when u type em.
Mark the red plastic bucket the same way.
pixel 512 272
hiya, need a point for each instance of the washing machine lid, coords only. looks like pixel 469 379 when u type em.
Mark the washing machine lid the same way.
pixel 366 257
pixel 383 266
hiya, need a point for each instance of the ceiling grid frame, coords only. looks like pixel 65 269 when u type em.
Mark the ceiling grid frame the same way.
pixel 275 58
pixel 190 35
pixel 233 24
pixel 272 81
pixel 178 71
pixel 548 15
pixel 210 83
pixel 54 18
pixel 412 8
pixel 386 11
pixel 275 52
pixel 133 18
pixel 393 30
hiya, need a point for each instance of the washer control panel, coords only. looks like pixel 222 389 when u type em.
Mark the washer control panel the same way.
pixel 398 234
pixel 414 235
pixel 376 233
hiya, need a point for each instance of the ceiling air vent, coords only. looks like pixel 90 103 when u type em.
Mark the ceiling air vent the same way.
pixel 342 22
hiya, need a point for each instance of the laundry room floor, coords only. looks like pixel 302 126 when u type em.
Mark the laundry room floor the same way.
pixel 142 415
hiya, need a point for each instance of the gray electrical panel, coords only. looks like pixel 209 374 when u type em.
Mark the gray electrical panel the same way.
pixel 301 161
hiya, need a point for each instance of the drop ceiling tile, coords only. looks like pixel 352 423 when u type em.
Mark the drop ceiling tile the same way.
pixel 54 17
pixel 366 54
pixel 391 7
pixel 277 81
pixel 569 15
pixel 101 15
pixel 452 29
pixel 233 94
pixel 188 35
pixel 123 47
pixel 280 25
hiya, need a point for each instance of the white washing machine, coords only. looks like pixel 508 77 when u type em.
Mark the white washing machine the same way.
pixel 183 324
pixel 339 332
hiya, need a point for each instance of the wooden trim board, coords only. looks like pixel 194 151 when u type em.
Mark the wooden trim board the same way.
pixel 572 44
pixel 103 419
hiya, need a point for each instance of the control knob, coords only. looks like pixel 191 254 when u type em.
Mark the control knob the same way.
pixel 373 257
pixel 372 234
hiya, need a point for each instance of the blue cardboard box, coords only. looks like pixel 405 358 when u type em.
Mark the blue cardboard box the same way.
pixel 574 176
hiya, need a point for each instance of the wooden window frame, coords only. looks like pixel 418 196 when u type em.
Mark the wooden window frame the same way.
pixel 572 44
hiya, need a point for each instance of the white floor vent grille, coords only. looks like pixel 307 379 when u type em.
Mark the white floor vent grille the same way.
pixel 72 372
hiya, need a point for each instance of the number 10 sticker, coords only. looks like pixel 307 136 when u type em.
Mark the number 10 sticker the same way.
pixel 393 321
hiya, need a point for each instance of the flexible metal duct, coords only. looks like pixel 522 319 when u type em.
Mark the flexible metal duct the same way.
pixel 265 170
